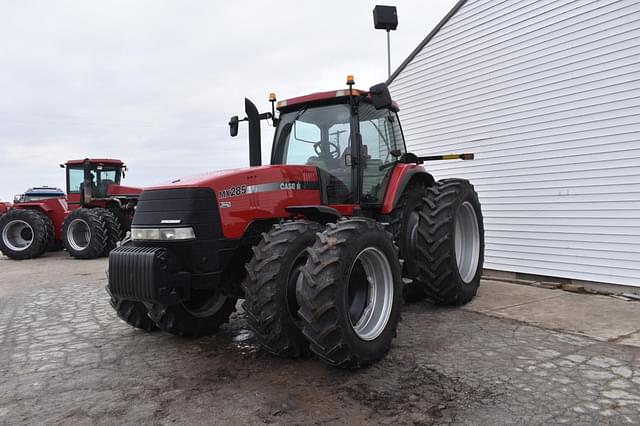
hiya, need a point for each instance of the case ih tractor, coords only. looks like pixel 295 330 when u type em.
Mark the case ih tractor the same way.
pixel 88 223
pixel 319 243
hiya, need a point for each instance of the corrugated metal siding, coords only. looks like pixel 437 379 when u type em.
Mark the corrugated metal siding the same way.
pixel 547 95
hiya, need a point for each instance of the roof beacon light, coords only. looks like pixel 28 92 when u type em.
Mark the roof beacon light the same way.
pixel 274 119
pixel 350 80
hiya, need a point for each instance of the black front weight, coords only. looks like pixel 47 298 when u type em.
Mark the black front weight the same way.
pixel 147 274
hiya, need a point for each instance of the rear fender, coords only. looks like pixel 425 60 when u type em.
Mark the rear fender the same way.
pixel 401 175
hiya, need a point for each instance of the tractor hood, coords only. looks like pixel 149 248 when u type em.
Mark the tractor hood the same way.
pixel 222 179
pixel 122 190
pixel 250 194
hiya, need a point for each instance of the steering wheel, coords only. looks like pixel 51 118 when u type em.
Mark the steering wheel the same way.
pixel 334 151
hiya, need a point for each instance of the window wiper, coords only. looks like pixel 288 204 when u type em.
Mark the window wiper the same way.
pixel 299 114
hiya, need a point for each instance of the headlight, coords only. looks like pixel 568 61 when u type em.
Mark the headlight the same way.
pixel 162 234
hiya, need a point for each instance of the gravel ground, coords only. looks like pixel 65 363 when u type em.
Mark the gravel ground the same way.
pixel 65 358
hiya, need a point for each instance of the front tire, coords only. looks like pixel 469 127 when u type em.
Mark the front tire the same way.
pixel 351 296
pixel 112 229
pixel 273 274
pixel 84 234
pixel 24 233
pixel 133 313
pixel 201 315
pixel 451 242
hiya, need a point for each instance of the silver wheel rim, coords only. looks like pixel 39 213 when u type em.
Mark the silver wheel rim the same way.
pixel 467 242
pixel 17 235
pixel 372 319
pixel 207 308
pixel 78 234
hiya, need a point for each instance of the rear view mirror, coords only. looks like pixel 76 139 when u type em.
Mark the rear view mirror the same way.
pixel 380 96
pixel 306 132
pixel 233 126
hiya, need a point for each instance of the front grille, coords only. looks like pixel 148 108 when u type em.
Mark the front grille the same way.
pixel 195 207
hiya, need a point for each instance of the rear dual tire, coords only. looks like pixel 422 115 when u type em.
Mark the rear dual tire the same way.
pixel 25 233
pixel 90 233
pixel 450 242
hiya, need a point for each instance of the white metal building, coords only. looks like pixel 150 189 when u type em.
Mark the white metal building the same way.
pixel 546 93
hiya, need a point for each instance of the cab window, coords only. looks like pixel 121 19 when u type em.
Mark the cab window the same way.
pixel 382 144
pixel 76 176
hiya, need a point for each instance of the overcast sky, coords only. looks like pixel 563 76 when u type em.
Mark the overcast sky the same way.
pixel 154 82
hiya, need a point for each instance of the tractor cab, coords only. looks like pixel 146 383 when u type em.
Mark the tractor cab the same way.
pixel 92 179
pixel 352 137
pixel 319 130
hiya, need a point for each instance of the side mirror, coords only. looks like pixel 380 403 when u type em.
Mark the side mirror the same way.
pixel 380 96
pixel 233 126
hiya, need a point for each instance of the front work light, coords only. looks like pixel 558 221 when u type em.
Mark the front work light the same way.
pixel 162 234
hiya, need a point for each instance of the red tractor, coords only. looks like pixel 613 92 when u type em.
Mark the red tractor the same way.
pixel 88 223
pixel 319 244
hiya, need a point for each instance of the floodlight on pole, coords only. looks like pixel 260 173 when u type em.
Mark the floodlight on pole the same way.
pixel 386 18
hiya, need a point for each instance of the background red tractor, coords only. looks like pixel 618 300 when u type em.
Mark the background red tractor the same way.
pixel 319 243
pixel 88 222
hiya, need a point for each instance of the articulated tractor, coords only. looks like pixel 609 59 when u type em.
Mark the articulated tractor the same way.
pixel 88 222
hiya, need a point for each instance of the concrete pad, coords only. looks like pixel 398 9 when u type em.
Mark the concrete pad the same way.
pixel 595 316
pixel 632 340
pixel 494 295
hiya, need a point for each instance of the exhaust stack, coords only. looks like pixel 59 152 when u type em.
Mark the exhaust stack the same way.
pixel 255 145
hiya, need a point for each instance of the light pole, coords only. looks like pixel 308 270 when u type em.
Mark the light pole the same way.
pixel 386 18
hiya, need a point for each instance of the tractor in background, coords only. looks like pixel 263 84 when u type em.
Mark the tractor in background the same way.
pixel 88 222
pixel 39 193
pixel 319 243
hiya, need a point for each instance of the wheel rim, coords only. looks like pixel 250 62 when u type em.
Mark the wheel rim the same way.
pixel 17 235
pixel 78 234
pixel 370 293
pixel 204 304
pixel 467 242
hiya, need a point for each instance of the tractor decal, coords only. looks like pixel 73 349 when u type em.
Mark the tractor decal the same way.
pixel 236 191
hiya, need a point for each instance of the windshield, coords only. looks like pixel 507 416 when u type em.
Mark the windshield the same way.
pixel 320 136
pixel 100 179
